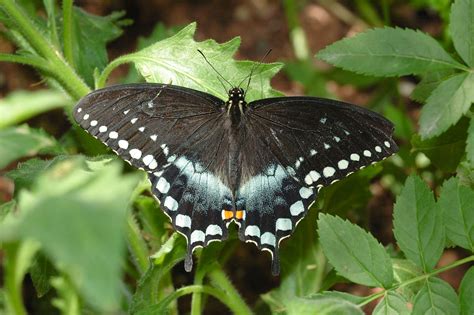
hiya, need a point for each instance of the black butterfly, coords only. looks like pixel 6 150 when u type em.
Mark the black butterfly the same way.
pixel 211 161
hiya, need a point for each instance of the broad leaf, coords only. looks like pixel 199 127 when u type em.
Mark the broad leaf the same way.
pixel 465 174
pixel 436 297
pixel 321 305
pixel 21 105
pixel 22 141
pixel 388 52
pixel 392 304
pixel 444 151
pixel 446 105
pixel 91 33
pixel 465 293
pixel 354 253
pixel 457 204
pixel 70 207
pixel 41 271
pixel 418 225
pixel 461 27
pixel 176 60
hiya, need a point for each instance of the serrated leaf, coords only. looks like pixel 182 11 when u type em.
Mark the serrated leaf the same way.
pixel 446 105
pixel 70 207
pixel 26 173
pixel 321 305
pixel 457 204
pixel 444 151
pixel 429 83
pixel 388 52
pixel 22 141
pixel 21 105
pixel 354 253
pixel 404 270
pixel 465 293
pixel 461 27
pixel 418 224
pixel 436 297
pixel 176 60
pixel 392 304
pixel 470 142
pixel 160 32
pixel 90 35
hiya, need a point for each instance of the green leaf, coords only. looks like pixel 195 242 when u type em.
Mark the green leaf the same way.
pixel 22 141
pixel 461 27
pixel 465 174
pixel 68 301
pixel 470 142
pixel 400 118
pixel 354 253
pixel 7 208
pixel 321 305
pixel 465 293
pixel 304 72
pixel 418 224
pixel 404 270
pixel 392 304
pixel 41 271
pixel 91 33
pixel 176 60
pixel 388 52
pixel 160 32
pixel 436 297
pixel 26 173
pixel 21 105
pixel 457 204
pixel 446 150
pixel 429 83
pixel 70 207
pixel 446 105
pixel 300 257
pixel 354 299
pixel 151 286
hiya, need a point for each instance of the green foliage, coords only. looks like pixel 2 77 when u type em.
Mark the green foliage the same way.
pixel 418 224
pixel 93 241
pixel 21 141
pixel 355 254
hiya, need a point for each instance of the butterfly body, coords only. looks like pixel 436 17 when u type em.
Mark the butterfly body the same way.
pixel 211 162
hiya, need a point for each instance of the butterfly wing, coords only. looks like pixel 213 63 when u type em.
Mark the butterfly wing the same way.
pixel 293 146
pixel 177 135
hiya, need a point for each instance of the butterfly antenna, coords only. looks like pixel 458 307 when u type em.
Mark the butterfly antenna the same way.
pixel 220 75
pixel 253 69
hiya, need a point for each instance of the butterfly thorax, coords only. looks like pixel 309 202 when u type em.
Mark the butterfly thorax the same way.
pixel 236 105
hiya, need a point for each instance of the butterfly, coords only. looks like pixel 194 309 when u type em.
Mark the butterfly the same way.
pixel 212 162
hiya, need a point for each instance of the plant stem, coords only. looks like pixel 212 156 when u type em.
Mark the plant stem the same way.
pixel 100 83
pixel 33 61
pixel 220 280
pixel 137 245
pixel 58 67
pixel 417 279
pixel 67 31
pixel 297 34
pixel 196 300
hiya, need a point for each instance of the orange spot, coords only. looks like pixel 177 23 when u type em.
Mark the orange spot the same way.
pixel 228 214
pixel 239 214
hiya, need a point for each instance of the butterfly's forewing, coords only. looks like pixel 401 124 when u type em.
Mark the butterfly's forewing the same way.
pixel 177 136
pixel 294 146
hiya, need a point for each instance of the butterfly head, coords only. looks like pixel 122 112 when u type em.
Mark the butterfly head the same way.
pixel 236 104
